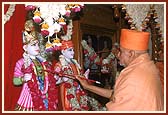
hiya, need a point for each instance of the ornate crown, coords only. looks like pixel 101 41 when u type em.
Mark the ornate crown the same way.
pixel 29 34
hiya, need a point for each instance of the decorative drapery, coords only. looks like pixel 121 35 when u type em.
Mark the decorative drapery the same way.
pixel 12 52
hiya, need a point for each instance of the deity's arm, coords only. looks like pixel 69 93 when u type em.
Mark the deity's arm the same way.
pixel 18 74
pixel 57 70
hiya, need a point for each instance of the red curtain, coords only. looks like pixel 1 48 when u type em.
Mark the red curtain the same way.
pixel 12 52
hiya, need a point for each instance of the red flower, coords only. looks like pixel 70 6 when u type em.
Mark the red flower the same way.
pixel 30 7
pixel 70 96
pixel 85 107
pixel 65 69
pixel 85 51
pixel 75 83
pixel 68 14
pixel 37 19
pixel 36 94
pixel 83 93
pixel 44 32
pixel 67 85
pixel 93 57
pixel 78 91
pixel 81 71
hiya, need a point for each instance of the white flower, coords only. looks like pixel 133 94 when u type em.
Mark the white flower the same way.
pixel 49 21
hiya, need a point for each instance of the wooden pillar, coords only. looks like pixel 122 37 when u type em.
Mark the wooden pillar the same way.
pixel 76 39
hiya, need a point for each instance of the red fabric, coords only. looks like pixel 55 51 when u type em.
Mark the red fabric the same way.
pixel 66 44
pixel 12 52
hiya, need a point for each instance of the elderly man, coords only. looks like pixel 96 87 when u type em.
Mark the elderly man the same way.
pixel 138 87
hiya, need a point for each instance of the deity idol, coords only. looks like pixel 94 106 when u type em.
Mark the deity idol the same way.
pixel 39 92
pixel 73 96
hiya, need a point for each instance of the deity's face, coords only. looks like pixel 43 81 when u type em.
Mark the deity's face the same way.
pixel 32 48
pixel 68 53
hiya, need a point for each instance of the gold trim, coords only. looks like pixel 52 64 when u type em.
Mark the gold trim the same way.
pixel 20 108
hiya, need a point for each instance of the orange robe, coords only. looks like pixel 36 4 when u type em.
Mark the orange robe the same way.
pixel 138 88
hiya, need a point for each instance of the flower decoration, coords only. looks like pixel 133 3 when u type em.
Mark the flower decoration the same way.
pixel 36 17
pixel 75 83
pixel 39 95
pixel 149 18
pixel 106 63
pixel 9 13
pixel 54 14
pixel 67 85
pixel 152 15
pixel 53 18
pixel 90 52
pixel 30 7
pixel 128 18
pixel 74 7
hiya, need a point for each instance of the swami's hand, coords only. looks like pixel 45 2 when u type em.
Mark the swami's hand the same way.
pixel 83 81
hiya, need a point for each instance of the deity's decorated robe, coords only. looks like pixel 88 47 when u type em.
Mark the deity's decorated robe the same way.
pixel 40 93
pixel 73 97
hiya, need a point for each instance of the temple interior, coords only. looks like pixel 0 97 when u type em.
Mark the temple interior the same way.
pixel 99 26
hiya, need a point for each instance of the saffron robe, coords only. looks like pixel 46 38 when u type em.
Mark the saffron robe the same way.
pixel 138 87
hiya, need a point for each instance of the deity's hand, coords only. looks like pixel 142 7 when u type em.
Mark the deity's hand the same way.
pixel 86 74
pixel 65 79
pixel 27 77
pixel 58 79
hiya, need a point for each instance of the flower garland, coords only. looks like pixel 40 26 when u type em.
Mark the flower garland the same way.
pixel 106 62
pixel 9 13
pixel 152 14
pixel 73 88
pixel 89 52
pixel 127 8
pixel 56 44
pixel 53 18
pixel 77 97
pixel 128 17
pixel 42 88
pixel 147 19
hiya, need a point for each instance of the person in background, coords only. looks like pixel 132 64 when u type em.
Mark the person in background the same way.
pixel 88 63
pixel 138 87
pixel 38 87
pixel 105 51
pixel 105 69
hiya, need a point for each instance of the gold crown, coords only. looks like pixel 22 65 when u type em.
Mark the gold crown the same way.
pixel 29 34
pixel 29 37
pixel 29 25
